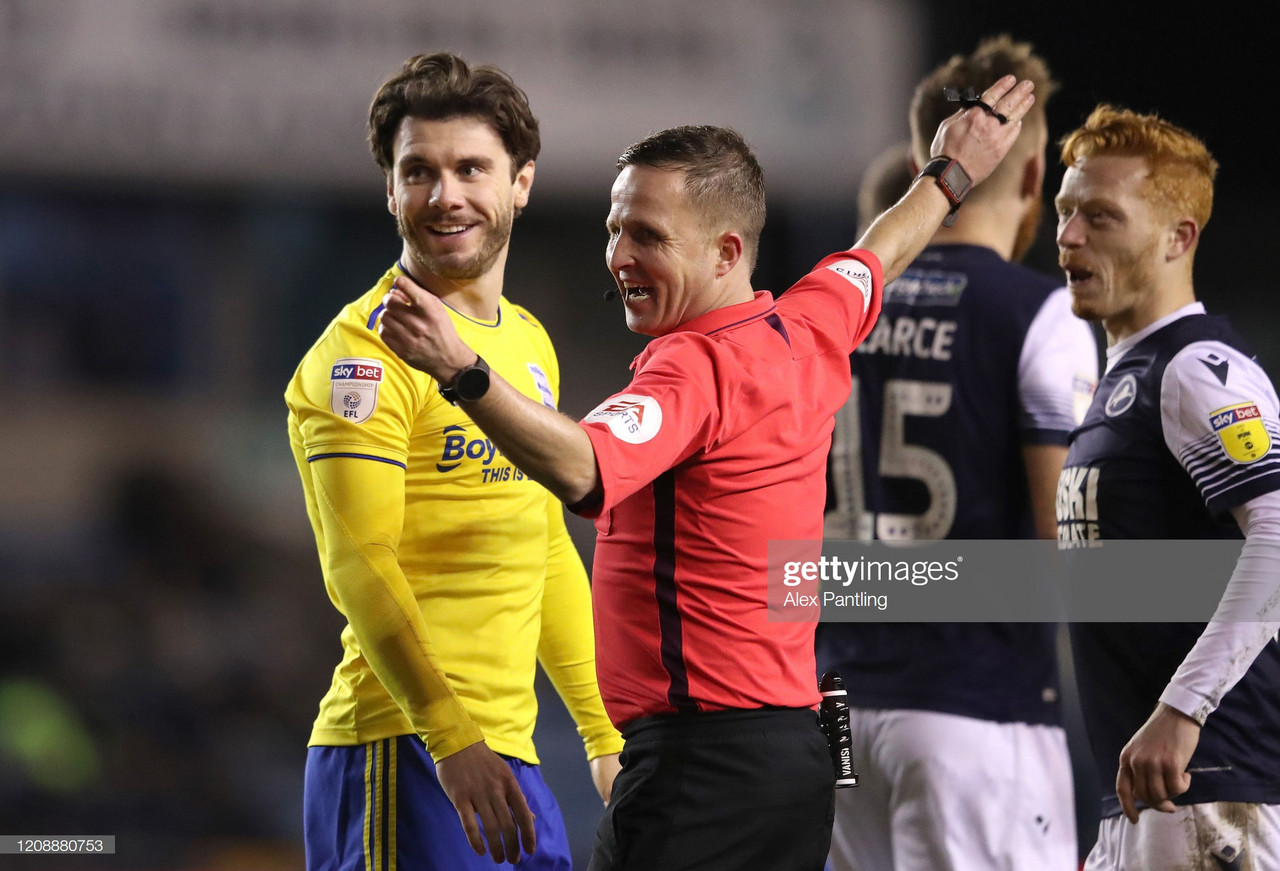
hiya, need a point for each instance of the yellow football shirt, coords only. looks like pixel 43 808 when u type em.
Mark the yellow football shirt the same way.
pixel 454 570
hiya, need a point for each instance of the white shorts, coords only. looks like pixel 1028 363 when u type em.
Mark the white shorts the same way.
pixel 938 792
pixel 1197 837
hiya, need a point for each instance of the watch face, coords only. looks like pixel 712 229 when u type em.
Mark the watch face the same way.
pixel 956 180
pixel 472 384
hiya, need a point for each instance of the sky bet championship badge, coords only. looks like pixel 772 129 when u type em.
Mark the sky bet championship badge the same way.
pixel 1240 429
pixel 355 388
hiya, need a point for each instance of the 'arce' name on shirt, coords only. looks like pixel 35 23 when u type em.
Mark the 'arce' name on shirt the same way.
pixel 904 336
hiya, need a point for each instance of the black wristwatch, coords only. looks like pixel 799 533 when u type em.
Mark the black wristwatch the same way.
pixel 953 180
pixel 470 384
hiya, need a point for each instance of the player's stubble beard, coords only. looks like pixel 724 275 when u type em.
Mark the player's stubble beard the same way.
pixel 451 266
pixel 1133 278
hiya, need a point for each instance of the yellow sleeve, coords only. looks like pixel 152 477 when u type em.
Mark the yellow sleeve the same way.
pixel 567 645
pixel 360 503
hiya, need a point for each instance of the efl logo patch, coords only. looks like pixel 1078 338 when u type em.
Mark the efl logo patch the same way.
pixel 634 419
pixel 1240 429
pixel 354 392
pixel 856 273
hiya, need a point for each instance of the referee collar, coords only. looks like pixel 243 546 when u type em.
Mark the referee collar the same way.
pixel 730 316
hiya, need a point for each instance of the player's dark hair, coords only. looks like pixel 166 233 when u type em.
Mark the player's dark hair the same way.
pixel 440 86
pixel 721 176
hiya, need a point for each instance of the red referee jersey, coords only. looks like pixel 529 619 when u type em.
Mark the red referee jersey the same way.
pixel 717 446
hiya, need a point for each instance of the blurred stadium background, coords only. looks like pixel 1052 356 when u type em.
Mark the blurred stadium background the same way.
pixel 186 199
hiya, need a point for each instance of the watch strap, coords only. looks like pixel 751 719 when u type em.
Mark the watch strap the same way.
pixel 952 180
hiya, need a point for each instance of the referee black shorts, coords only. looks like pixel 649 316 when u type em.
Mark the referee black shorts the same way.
pixel 742 789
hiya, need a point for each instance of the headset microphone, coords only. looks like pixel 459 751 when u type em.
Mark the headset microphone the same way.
pixel 611 293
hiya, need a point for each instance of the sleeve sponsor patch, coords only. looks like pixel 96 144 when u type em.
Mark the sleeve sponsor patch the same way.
pixel 856 273
pixel 1082 388
pixel 1241 431
pixel 354 388
pixel 634 419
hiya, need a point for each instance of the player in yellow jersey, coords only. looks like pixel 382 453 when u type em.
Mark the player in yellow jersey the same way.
pixel 453 569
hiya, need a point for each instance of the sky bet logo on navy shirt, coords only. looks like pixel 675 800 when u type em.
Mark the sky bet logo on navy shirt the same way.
pixel 458 449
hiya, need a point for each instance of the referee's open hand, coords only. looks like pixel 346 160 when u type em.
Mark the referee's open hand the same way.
pixel 480 784
pixel 980 139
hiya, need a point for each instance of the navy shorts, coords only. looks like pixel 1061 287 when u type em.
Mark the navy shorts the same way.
pixel 379 807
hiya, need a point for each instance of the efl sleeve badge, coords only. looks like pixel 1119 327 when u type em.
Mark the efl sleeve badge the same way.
pixel 354 393
pixel 1241 431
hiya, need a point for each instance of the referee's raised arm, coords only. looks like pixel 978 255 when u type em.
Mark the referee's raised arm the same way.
pixel 976 139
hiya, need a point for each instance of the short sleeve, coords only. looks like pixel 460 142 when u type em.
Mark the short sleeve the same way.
pixel 1057 372
pixel 1221 420
pixel 843 293
pixel 353 396
pixel 667 413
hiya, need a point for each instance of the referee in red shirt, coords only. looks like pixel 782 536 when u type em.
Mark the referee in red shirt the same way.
pixel 717 446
